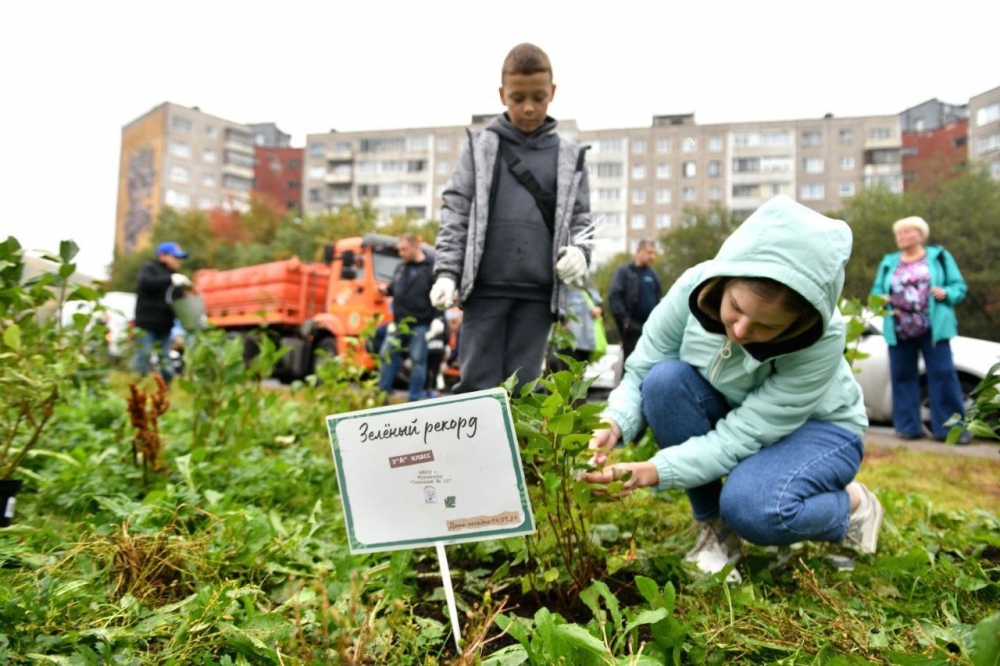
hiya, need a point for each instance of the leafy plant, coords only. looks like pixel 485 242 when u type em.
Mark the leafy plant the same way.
pixel 982 418
pixel 39 357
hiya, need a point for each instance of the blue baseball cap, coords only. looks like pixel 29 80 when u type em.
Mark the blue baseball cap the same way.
pixel 171 248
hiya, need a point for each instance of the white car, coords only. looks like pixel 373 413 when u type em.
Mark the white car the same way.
pixel 117 315
pixel 973 360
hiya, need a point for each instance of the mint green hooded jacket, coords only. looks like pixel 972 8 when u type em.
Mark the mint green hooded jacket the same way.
pixel 773 388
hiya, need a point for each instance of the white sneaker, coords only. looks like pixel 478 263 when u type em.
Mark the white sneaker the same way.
pixel 862 531
pixel 717 546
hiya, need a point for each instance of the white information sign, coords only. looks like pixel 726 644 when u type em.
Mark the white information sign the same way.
pixel 432 472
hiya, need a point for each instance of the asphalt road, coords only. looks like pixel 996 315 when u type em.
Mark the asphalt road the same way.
pixel 885 437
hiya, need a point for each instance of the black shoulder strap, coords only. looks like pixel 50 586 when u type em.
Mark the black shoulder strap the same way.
pixel 944 266
pixel 545 200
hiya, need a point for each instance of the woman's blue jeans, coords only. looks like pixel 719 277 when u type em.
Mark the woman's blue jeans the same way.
pixel 943 387
pixel 790 491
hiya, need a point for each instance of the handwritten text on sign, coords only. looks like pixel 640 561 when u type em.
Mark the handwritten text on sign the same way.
pixel 438 470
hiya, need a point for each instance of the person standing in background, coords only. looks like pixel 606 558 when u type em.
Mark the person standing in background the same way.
pixel 154 316
pixel 635 291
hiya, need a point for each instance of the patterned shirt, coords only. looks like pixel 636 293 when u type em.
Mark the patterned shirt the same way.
pixel 909 291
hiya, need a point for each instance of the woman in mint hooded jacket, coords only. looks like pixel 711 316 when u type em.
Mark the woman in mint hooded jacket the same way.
pixel 740 373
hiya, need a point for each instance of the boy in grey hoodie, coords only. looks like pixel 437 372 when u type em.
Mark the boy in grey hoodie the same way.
pixel 503 249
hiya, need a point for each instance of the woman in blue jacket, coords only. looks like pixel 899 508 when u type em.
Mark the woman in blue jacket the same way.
pixel 922 285
pixel 740 373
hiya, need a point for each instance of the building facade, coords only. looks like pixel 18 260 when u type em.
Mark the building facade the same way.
pixel 641 179
pixel 180 157
pixel 984 131
pixel 278 177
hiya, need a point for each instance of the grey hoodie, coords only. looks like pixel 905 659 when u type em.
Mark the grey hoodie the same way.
pixel 466 217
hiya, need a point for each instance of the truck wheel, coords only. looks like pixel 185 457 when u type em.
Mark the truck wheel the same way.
pixel 328 345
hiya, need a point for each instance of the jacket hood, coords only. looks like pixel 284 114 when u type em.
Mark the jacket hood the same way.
pixel 545 136
pixel 791 244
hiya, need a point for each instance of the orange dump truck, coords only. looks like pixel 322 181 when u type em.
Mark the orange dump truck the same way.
pixel 306 307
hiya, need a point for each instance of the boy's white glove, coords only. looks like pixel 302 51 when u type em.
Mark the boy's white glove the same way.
pixel 572 266
pixel 436 329
pixel 179 280
pixel 443 293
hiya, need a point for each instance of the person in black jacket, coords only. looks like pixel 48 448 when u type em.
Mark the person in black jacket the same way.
pixel 635 291
pixel 154 316
pixel 410 290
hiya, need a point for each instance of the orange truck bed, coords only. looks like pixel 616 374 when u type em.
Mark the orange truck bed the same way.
pixel 281 292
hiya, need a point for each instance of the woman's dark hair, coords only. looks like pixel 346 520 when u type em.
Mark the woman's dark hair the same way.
pixel 772 290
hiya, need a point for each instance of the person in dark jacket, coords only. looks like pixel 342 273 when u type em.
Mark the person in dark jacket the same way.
pixel 410 290
pixel 635 291
pixel 157 285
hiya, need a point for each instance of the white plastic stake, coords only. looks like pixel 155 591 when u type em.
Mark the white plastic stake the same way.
pixel 449 594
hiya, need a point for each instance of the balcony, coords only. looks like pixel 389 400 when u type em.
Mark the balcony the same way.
pixel 342 178
pixel 237 170
pixel 334 155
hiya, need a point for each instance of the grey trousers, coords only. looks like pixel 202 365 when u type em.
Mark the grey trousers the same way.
pixel 501 336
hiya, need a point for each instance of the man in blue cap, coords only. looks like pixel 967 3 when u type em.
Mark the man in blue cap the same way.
pixel 154 316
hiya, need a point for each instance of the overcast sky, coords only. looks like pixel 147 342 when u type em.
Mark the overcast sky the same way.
pixel 74 73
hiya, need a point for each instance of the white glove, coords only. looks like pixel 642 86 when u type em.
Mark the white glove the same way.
pixel 436 329
pixel 572 266
pixel 390 328
pixel 443 293
pixel 179 280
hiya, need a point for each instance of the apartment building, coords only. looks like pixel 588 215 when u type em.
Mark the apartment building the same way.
pixel 399 171
pixel 984 130
pixel 183 158
pixel 642 179
pixel 277 168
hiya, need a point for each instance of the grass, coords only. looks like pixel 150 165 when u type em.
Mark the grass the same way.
pixel 949 481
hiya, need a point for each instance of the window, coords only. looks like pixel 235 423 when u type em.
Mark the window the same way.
pixel 178 174
pixel 746 190
pixel 847 163
pixel 638 171
pixel 316 173
pixel 211 132
pixel 715 143
pixel 988 144
pixel 237 183
pixel 610 146
pixel 988 114
pixel 663 146
pixel 607 169
pixel 714 193
pixel 415 143
pixel 342 147
pixel 776 138
pixel 179 123
pixel 846 190
pixel 608 220
pixel 811 192
pixel 746 164
pixel 443 144
pixel 746 139
pixel 638 196
pixel 208 179
pixel 397 144
pixel 177 199
pixel 608 194
pixel 663 171
pixel 294 164
pixel 638 146
pixel 775 164
pixel 812 139
pixel 317 150
pixel 880 133
pixel 689 170
pixel 995 170
pixel 442 168
pixel 846 136
pixel 367 167
pixel 714 169
pixel 689 194
pixel 205 203
pixel 239 159
pixel 178 148
pixel 638 221
pixel 690 145
pixel 368 190
pixel 314 195
pixel 663 195
pixel 813 165
pixel 663 220
pixel 293 185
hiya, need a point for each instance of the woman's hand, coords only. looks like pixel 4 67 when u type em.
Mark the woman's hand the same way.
pixel 938 293
pixel 643 474
pixel 603 441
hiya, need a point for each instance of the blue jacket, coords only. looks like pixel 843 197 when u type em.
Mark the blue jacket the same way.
pixel 773 388
pixel 944 274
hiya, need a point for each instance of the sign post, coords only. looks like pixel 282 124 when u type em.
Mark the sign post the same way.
pixel 431 473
